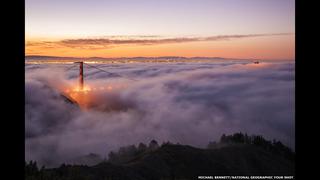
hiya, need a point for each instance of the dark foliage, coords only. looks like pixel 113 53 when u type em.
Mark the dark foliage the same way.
pixel 257 140
pixel 127 153
pixel 237 154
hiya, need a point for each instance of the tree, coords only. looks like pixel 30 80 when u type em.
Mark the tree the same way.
pixel 153 145
pixel 142 147
pixel 223 138
pixel 112 156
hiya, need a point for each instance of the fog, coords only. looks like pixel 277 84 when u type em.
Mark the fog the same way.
pixel 186 103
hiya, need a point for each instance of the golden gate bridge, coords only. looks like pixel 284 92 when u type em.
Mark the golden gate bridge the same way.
pixel 81 73
pixel 79 94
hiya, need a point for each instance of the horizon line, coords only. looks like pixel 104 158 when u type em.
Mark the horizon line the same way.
pixel 186 57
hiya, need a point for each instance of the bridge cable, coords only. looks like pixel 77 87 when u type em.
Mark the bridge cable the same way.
pixel 111 72
pixel 67 69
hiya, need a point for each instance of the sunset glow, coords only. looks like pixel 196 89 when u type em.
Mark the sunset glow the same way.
pixel 232 29
pixel 159 89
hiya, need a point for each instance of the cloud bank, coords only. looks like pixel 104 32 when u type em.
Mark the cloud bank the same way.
pixel 112 41
pixel 189 103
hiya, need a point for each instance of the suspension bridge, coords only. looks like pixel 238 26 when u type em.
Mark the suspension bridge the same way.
pixel 81 73
pixel 79 94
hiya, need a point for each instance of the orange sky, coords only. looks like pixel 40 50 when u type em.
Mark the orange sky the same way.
pixel 263 29
pixel 265 47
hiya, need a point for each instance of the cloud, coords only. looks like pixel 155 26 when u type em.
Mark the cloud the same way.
pixel 112 41
pixel 186 103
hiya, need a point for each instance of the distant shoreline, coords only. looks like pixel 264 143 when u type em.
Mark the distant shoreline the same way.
pixel 161 59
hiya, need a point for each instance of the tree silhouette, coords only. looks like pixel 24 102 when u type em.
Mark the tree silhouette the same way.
pixel 174 159
pixel 153 145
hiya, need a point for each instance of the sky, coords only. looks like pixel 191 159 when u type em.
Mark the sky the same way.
pixel 126 28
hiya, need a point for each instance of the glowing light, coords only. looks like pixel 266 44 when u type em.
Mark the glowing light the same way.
pixel 87 96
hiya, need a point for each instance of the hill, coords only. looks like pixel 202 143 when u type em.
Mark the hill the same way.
pixel 174 161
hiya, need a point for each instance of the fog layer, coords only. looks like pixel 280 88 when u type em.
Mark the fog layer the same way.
pixel 189 103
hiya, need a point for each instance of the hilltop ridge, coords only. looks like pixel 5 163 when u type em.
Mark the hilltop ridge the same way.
pixel 233 155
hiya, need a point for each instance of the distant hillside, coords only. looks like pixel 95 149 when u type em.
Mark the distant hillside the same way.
pixel 254 156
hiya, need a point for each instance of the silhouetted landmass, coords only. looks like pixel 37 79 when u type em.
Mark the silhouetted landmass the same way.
pixel 237 154
pixel 273 146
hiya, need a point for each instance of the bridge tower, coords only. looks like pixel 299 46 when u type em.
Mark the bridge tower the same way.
pixel 81 76
pixel 81 81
